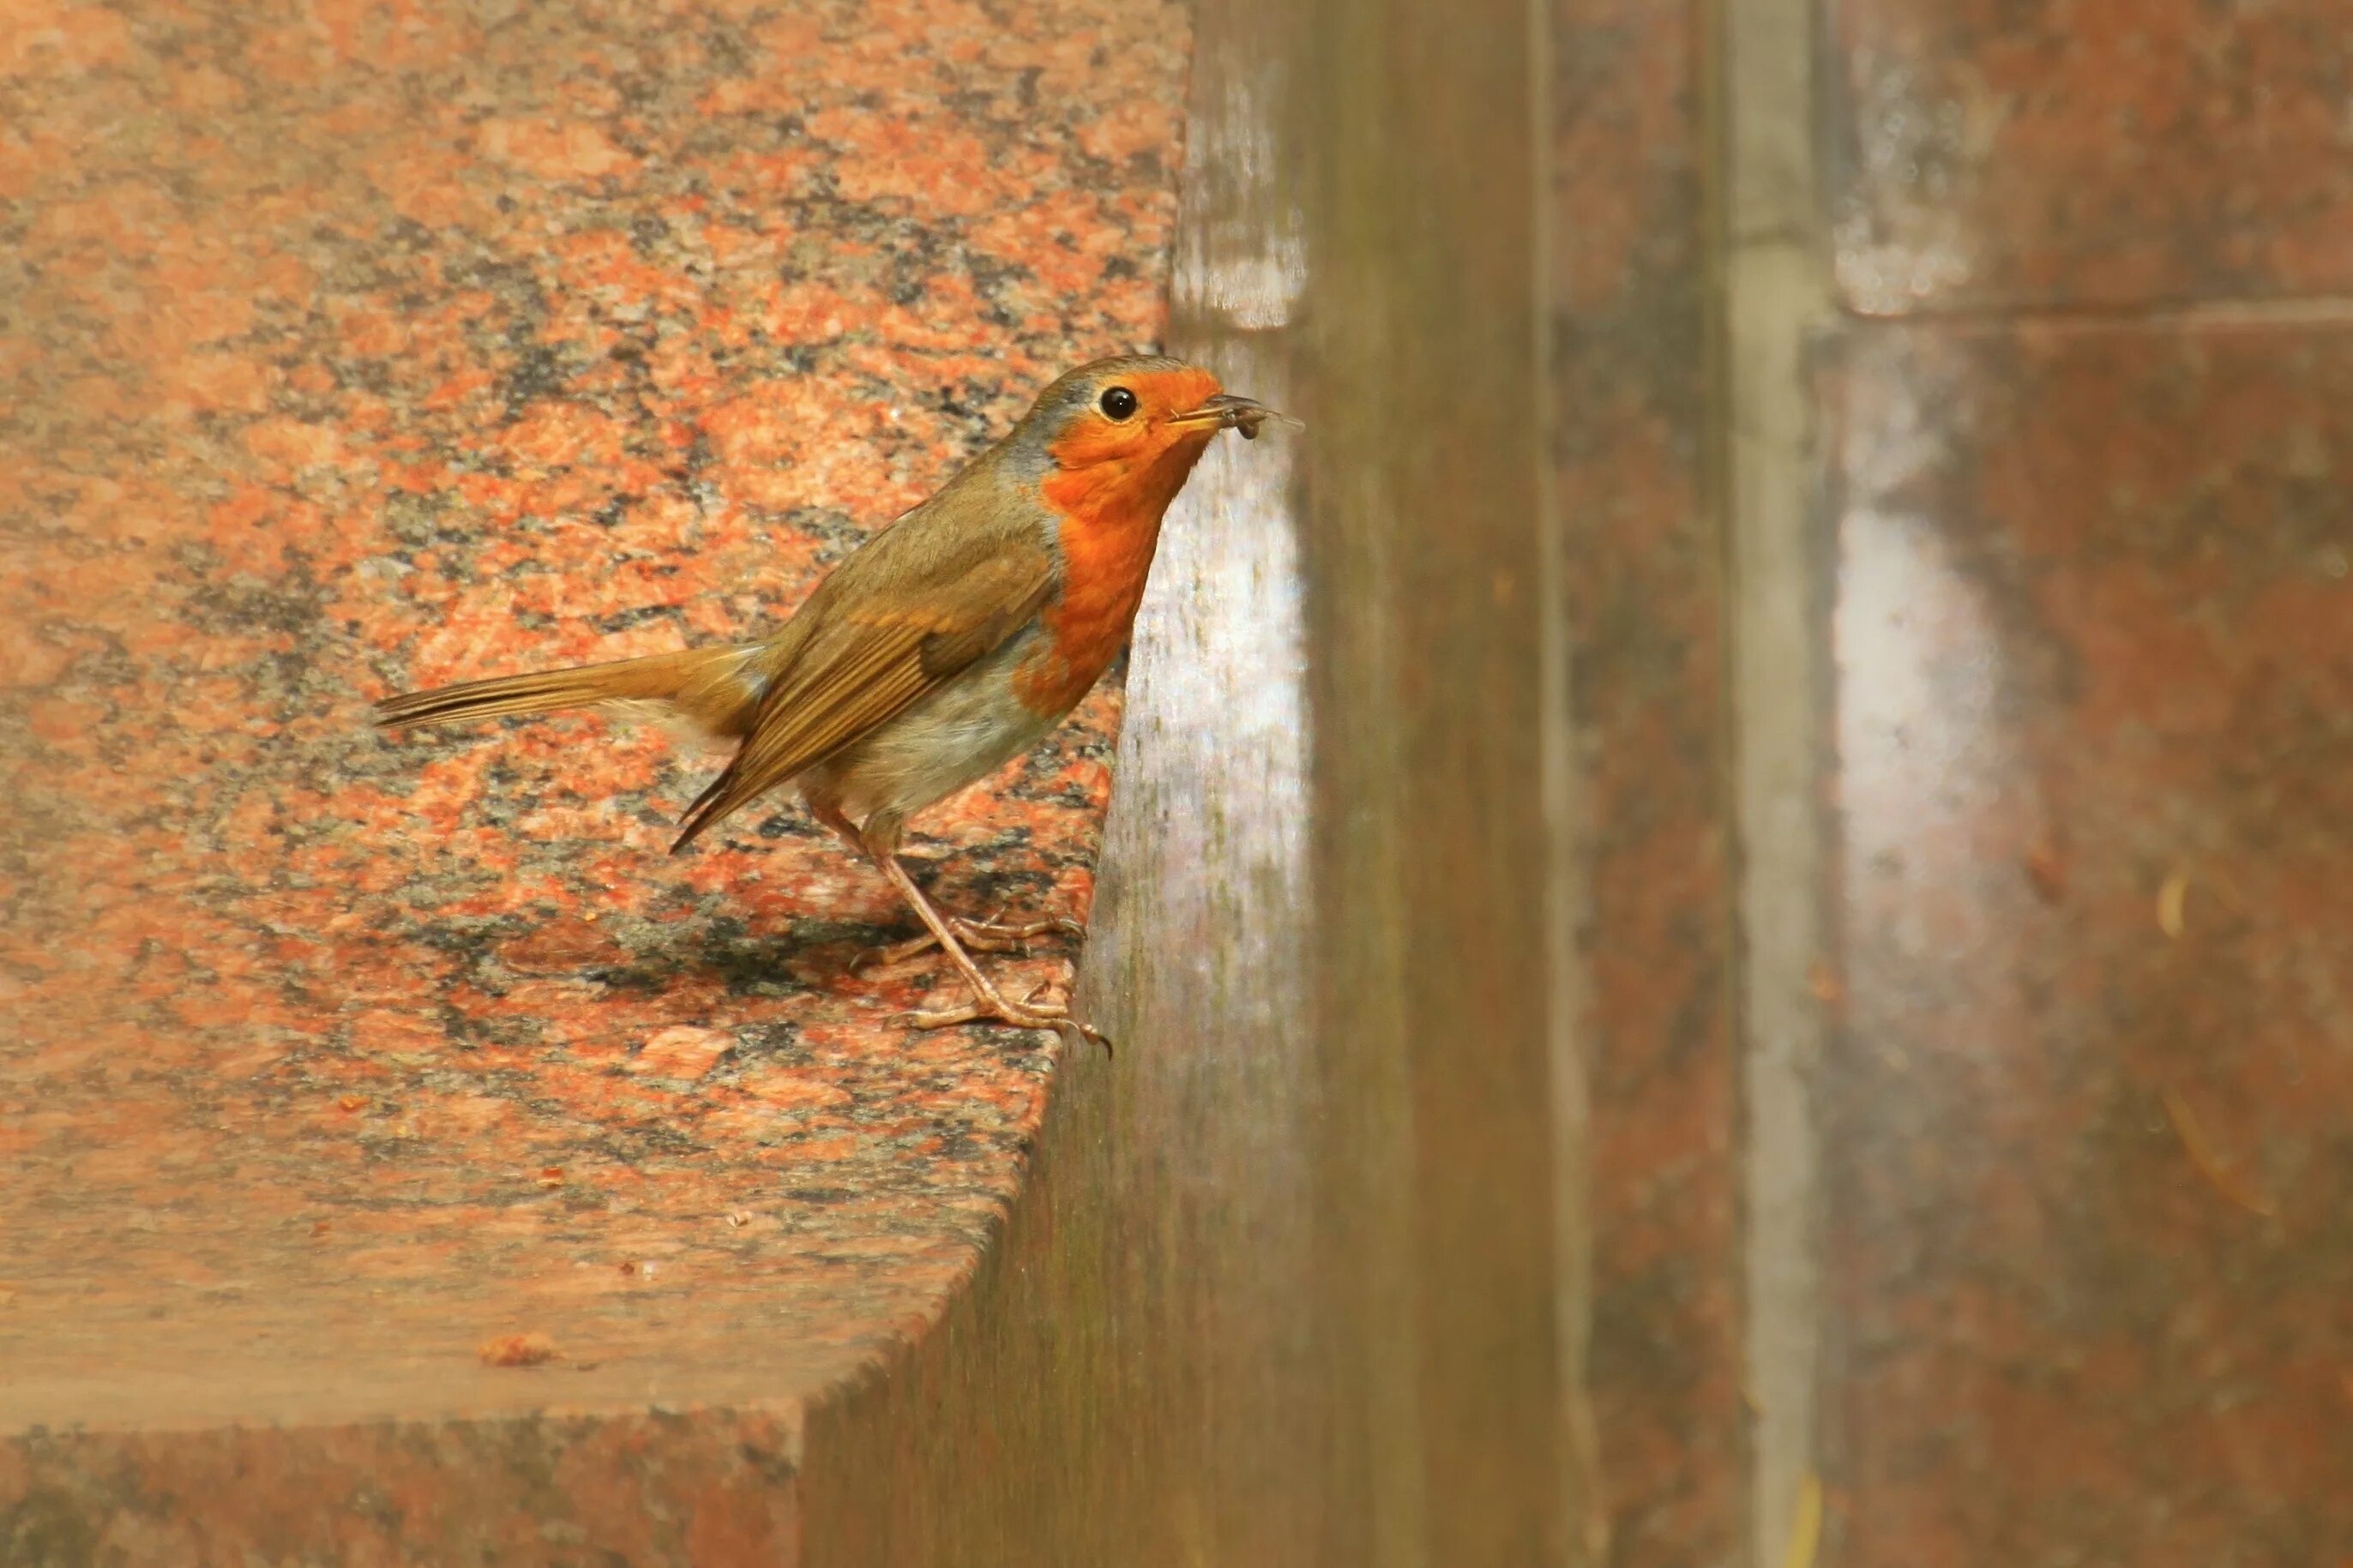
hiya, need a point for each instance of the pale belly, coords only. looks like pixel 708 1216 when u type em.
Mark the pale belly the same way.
pixel 956 736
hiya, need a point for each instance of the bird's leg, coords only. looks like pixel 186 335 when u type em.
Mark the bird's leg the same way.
pixel 829 817
pixel 988 1001
pixel 991 935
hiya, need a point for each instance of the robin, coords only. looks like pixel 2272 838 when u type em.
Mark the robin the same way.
pixel 952 641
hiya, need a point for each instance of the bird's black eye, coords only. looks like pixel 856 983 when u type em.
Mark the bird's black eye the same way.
pixel 1118 403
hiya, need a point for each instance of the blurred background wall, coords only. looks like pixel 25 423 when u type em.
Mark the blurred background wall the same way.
pixel 1953 462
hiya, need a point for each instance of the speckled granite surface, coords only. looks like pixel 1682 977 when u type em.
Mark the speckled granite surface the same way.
pixel 345 348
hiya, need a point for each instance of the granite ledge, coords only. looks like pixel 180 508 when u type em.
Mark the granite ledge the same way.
pixel 345 350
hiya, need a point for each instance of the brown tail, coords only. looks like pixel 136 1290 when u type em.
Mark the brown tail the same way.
pixel 716 689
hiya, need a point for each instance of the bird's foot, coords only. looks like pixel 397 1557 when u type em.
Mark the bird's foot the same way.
pixel 991 935
pixel 991 1006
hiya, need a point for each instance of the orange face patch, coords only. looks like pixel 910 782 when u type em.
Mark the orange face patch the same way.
pixel 1093 441
pixel 1117 478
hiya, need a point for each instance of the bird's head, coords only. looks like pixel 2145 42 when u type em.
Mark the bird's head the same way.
pixel 1122 434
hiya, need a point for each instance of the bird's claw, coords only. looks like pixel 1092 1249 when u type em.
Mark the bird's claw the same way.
pixel 991 935
pixel 991 1005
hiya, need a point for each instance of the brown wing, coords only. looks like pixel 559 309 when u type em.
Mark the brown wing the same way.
pixel 925 600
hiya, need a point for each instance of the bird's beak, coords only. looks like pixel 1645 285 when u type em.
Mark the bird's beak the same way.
pixel 1229 411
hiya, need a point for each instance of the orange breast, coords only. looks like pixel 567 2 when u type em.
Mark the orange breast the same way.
pixel 1110 526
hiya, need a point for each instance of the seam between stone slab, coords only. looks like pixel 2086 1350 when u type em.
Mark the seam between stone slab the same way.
pixel 791 1411
pixel 1567 821
pixel 2312 310
pixel 1776 287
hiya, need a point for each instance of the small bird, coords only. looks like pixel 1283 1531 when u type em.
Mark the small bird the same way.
pixel 952 641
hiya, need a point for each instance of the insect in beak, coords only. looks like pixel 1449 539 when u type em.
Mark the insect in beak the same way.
pixel 1229 411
